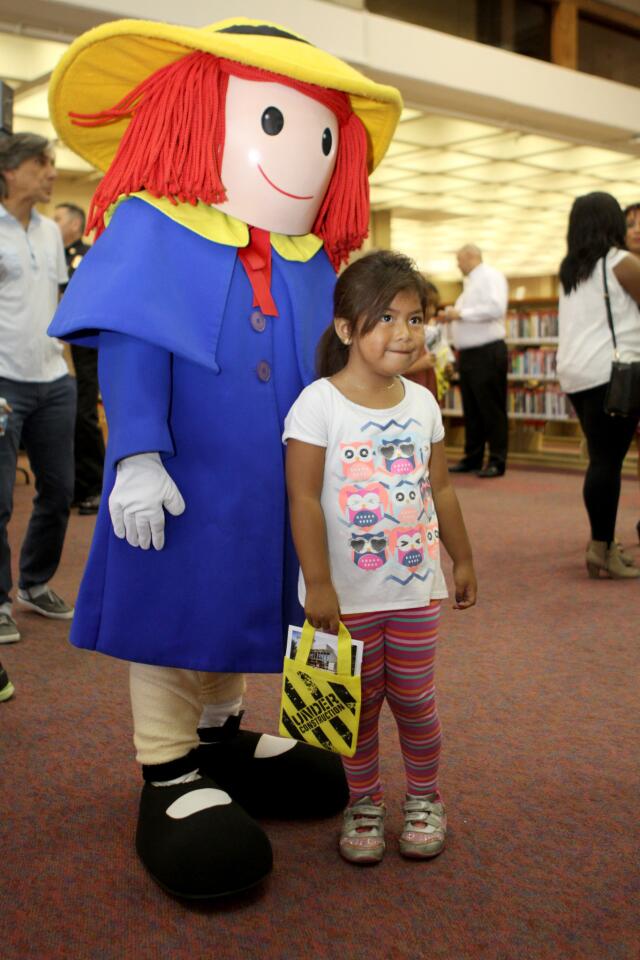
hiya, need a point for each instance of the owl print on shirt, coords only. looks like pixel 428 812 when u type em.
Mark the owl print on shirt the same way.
pixel 384 501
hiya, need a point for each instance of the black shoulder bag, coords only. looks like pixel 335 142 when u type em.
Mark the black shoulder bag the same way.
pixel 623 393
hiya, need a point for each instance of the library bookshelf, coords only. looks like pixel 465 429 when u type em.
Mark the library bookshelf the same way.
pixel 543 428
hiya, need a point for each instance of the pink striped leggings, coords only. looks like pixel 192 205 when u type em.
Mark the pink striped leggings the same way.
pixel 398 663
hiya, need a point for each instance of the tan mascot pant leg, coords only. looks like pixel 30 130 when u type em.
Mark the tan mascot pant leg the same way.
pixel 169 704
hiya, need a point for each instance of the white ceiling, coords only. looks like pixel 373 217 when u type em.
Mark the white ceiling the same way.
pixel 446 180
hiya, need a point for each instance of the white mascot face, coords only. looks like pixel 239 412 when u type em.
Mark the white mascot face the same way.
pixel 280 150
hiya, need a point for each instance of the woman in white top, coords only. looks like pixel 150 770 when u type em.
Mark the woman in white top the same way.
pixel 597 231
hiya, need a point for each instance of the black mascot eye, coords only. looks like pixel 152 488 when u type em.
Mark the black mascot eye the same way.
pixel 272 121
pixel 327 142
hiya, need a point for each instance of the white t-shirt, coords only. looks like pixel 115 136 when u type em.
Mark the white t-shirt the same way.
pixel 585 348
pixel 381 522
pixel 32 265
pixel 482 306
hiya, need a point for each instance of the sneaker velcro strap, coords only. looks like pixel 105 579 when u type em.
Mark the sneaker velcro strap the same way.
pixel 422 814
pixel 363 818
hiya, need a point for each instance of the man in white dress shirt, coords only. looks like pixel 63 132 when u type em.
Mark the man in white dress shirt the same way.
pixel 34 378
pixel 478 332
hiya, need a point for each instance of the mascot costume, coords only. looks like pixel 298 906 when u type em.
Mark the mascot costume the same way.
pixel 236 162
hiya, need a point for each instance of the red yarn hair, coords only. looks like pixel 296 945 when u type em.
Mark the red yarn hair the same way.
pixel 174 144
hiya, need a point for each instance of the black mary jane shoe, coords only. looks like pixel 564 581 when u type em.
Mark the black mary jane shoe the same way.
pixel 197 843
pixel 292 784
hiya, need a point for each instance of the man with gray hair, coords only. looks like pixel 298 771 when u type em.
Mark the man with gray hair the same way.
pixel 478 329
pixel 34 378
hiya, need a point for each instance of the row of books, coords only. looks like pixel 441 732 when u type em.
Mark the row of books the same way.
pixel 531 324
pixel 539 362
pixel 547 401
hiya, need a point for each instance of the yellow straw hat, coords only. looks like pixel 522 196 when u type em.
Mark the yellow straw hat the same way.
pixel 104 64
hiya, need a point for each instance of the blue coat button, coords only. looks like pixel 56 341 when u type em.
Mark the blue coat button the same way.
pixel 258 321
pixel 264 371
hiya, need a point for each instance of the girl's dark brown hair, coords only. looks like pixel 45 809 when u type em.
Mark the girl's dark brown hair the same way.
pixel 362 293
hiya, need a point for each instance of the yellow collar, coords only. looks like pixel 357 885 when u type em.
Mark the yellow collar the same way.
pixel 221 228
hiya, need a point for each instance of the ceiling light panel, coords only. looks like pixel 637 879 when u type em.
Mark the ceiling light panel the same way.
pixel 29 125
pixel 385 173
pixel 501 192
pixel 625 193
pixel 69 161
pixel 435 161
pixel 576 158
pixel 408 113
pixel 431 184
pixel 386 195
pixel 629 170
pixel 512 146
pixel 24 58
pixel 34 105
pixel 534 199
pixel 436 201
pixel 563 181
pixel 436 131
pixel 499 171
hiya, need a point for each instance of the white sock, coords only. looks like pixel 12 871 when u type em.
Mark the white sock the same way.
pixel 30 593
pixel 216 714
pixel 185 778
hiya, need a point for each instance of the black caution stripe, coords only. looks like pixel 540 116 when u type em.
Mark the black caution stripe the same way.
pixel 290 726
pixel 337 723
pixel 293 694
pixel 343 694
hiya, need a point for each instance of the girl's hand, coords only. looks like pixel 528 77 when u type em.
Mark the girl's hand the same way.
pixel 322 608
pixel 464 578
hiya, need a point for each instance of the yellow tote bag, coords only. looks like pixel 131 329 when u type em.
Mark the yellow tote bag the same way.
pixel 319 706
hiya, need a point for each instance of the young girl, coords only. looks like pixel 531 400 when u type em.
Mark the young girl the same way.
pixel 434 366
pixel 370 498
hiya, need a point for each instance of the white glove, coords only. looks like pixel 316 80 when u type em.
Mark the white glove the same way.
pixel 142 488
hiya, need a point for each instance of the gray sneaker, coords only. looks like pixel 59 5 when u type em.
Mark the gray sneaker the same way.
pixel 48 604
pixel 7 689
pixel 8 630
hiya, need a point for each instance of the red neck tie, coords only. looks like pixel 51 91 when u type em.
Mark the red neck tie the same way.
pixel 256 260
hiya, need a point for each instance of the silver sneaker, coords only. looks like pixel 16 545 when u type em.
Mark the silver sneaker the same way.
pixel 425 828
pixel 47 604
pixel 9 632
pixel 362 837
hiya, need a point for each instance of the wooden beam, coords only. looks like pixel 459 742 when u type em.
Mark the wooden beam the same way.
pixel 613 16
pixel 564 34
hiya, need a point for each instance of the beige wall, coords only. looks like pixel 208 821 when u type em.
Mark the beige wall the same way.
pixel 520 288
pixel 523 288
pixel 70 189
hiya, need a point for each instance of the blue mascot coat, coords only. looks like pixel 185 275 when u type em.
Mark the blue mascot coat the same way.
pixel 190 368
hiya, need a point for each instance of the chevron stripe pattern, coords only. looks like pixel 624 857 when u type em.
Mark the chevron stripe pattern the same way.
pixel 320 707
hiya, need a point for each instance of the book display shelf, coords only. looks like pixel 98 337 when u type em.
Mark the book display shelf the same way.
pixel 543 425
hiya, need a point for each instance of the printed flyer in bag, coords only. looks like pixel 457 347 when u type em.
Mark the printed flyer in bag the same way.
pixel 324 650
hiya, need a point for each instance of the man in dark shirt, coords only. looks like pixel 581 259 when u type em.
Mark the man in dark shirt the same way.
pixel 89 443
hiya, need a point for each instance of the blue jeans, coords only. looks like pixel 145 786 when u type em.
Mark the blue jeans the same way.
pixel 43 417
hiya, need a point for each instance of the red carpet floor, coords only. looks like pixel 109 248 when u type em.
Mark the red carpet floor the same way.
pixel 538 693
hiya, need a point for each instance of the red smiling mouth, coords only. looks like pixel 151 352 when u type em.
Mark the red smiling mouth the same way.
pixel 293 196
